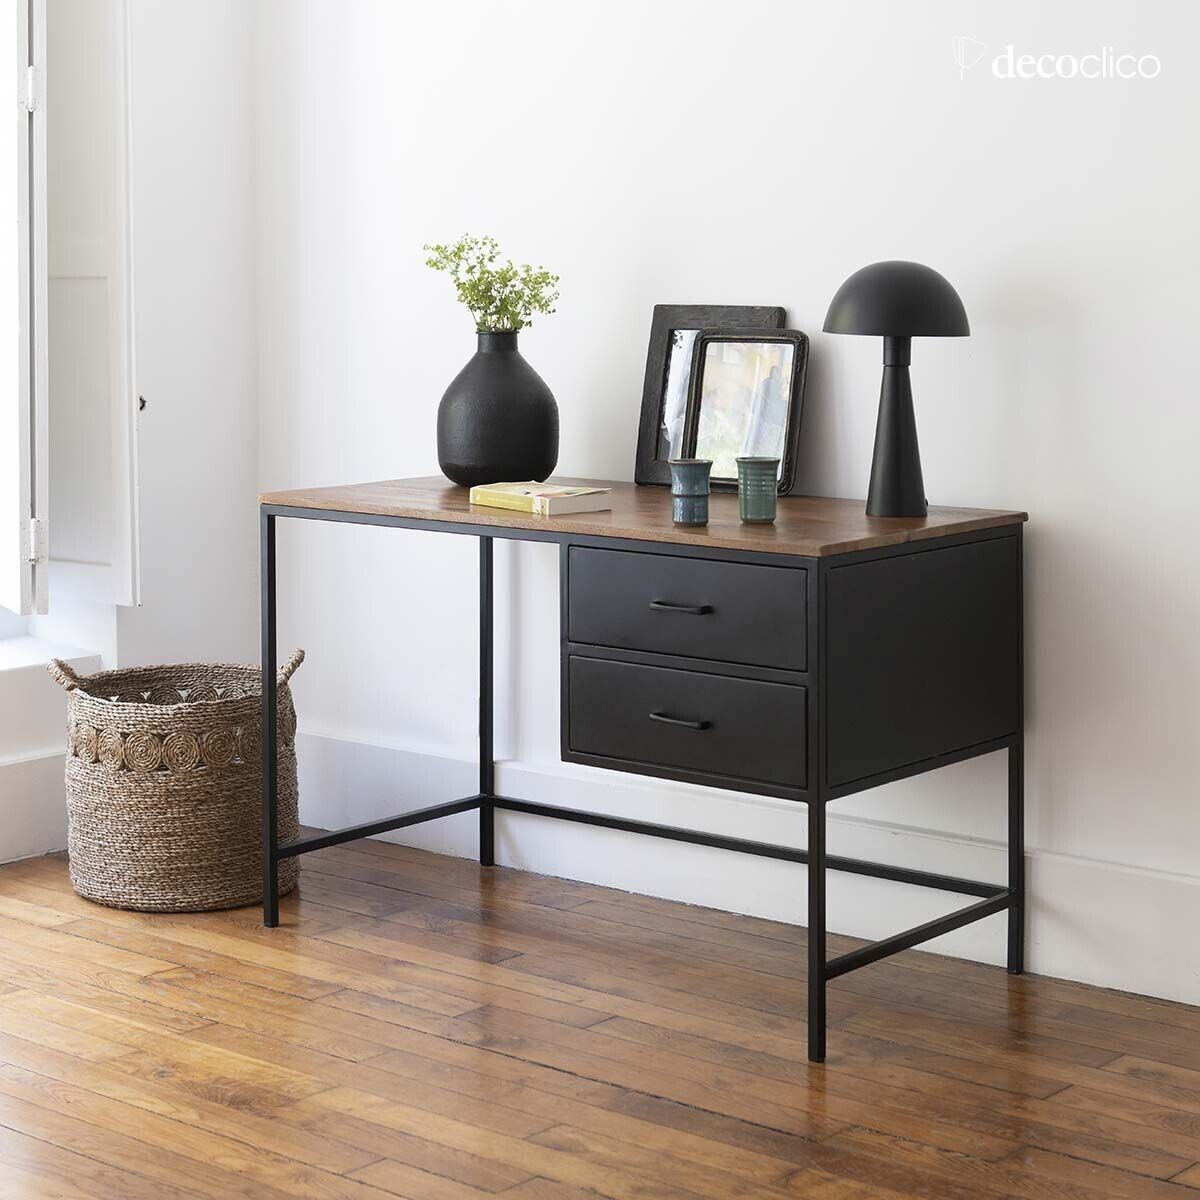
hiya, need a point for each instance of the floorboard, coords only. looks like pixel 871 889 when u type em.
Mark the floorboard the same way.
pixel 421 1027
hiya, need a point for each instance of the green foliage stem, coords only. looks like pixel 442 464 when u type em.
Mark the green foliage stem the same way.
pixel 500 296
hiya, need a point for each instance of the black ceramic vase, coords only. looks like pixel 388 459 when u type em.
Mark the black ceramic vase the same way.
pixel 498 420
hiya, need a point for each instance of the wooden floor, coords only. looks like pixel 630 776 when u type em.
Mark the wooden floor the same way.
pixel 419 1027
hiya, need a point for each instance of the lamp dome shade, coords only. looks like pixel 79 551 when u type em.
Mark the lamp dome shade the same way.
pixel 897 299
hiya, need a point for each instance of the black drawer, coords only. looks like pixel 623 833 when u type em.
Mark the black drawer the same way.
pixel 693 723
pixel 730 612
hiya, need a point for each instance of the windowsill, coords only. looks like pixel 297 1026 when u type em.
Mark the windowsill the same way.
pixel 32 705
pixel 19 652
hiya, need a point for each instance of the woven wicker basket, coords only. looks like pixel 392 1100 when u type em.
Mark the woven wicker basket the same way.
pixel 164 784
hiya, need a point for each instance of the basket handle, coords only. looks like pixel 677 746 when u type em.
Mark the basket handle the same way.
pixel 63 674
pixel 289 667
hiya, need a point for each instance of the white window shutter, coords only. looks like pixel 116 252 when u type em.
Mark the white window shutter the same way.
pixel 24 483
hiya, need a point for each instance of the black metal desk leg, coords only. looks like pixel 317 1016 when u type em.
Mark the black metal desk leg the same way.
pixel 1016 856
pixel 487 768
pixel 816 931
pixel 270 829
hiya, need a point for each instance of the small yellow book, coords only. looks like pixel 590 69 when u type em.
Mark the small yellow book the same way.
pixel 541 499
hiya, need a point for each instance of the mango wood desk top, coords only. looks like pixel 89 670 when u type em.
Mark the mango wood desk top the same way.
pixel 810 526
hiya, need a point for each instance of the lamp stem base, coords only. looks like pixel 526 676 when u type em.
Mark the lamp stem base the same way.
pixel 897 486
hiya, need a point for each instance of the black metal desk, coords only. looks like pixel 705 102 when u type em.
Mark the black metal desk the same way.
pixel 808 660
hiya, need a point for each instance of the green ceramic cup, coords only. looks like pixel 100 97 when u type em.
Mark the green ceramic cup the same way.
pixel 689 490
pixel 757 489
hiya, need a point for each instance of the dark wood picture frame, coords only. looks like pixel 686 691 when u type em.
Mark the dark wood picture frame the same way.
pixel 799 343
pixel 667 318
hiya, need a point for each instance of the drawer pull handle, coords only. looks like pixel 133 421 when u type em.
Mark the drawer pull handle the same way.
pixel 682 722
pixel 695 610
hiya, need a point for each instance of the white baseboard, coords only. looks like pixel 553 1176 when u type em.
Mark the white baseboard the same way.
pixel 1104 923
pixel 33 807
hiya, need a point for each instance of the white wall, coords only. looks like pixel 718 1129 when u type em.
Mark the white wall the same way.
pixel 757 154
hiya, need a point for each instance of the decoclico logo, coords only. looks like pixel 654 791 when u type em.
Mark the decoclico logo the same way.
pixel 1106 63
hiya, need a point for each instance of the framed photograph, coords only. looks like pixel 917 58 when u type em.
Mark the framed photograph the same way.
pixel 747 397
pixel 667 391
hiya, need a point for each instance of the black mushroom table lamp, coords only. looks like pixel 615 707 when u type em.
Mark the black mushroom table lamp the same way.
pixel 897 301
